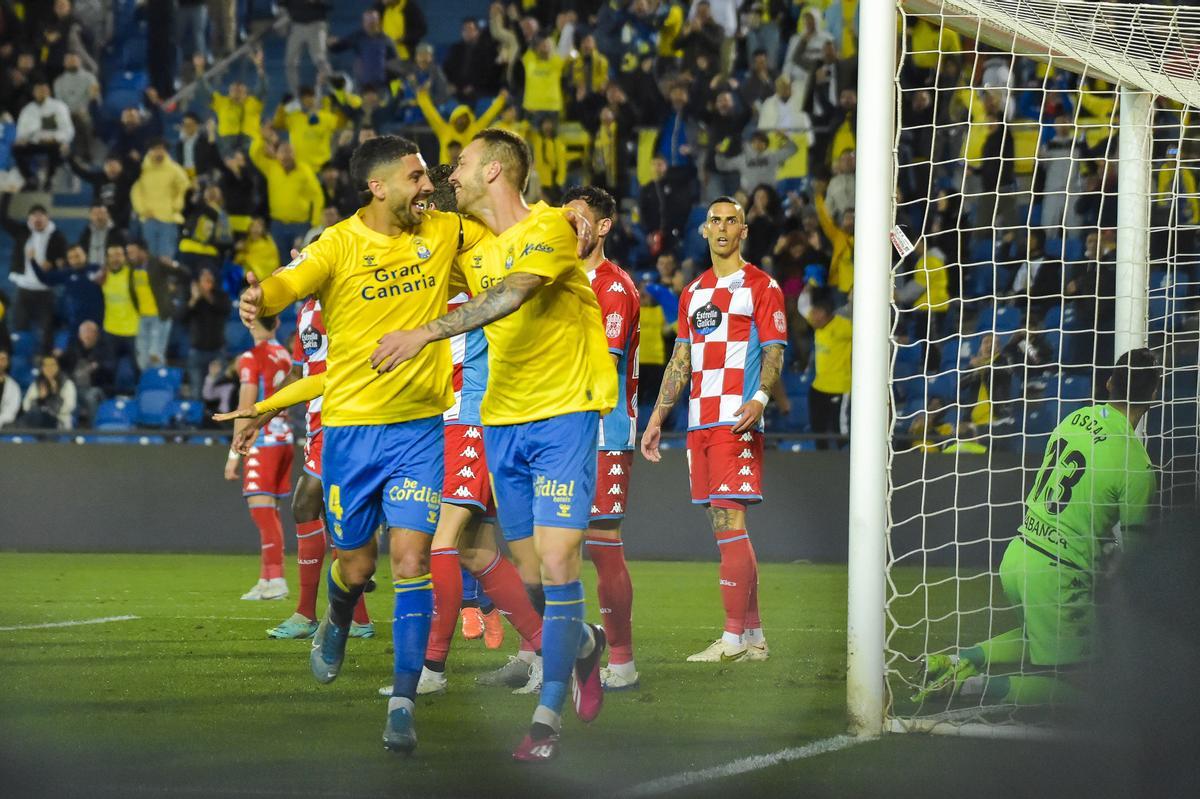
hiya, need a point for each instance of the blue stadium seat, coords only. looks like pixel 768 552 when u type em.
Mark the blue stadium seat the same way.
pixel 186 413
pixel 24 345
pixel 1002 321
pixel 62 339
pixel 1076 388
pixel 162 377
pixel 237 338
pixel 1074 250
pixel 153 406
pixel 115 414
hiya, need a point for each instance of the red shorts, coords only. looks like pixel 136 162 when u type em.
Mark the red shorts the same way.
pixel 268 471
pixel 312 454
pixel 722 465
pixel 612 484
pixel 466 481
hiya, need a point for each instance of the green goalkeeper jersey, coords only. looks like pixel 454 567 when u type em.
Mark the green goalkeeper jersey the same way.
pixel 1096 472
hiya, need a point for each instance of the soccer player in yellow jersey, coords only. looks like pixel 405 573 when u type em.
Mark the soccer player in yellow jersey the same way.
pixel 389 263
pixel 550 378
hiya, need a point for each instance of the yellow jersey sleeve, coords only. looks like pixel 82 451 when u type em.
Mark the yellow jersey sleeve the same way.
pixel 548 248
pixel 473 232
pixel 305 275
pixel 302 390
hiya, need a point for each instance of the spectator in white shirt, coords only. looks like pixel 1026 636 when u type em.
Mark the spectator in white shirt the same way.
pixel 10 393
pixel 50 400
pixel 44 127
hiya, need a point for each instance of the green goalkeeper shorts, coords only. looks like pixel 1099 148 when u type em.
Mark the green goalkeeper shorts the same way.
pixel 1056 601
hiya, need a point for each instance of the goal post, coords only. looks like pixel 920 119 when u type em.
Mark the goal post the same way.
pixel 1057 144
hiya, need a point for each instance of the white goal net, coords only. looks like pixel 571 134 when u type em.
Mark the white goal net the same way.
pixel 1047 173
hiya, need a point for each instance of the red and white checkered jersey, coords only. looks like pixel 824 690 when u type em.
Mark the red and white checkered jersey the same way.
pixel 308 352
pixel 728 320
pixel 267 366
pixel 621 312
pixel 469 352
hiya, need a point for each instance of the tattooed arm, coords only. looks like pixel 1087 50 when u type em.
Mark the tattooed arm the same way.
pixel 482 309
pixel 676 377
pixel 751 411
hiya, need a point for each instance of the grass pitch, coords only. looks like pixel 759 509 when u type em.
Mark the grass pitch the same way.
pixel 191 698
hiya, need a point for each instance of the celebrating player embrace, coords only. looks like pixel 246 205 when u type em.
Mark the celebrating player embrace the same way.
pixel 732 331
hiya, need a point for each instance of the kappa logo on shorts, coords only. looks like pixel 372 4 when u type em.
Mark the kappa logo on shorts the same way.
pixel 252 473
pixel 595 511
pixel 254 450
pixel 617 508
pixel 746 487
pixel 311 464
pixel 466 471
pixel 747 436
pixel 251 486
pixel 615 490
pixel 722 489
pixel 746 453
pixel 469 452
pixel 462 492
pixel 745 471
pixel 616 470
pixel 472 432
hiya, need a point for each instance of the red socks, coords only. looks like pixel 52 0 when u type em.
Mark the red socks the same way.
pixel 737 573
pixel 310 557
pixel 270 533
pixel 447 601
pixel 616 596
pixel 753 622
pixel 502 583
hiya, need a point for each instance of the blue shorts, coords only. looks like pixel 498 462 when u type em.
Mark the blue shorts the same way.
pixel 382 472
pixel 543 472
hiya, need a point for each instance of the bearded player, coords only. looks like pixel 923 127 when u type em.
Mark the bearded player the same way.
pixel 550 378
pixel 1096 473
pixel 732 331
pixel 620 309
pixel 267 476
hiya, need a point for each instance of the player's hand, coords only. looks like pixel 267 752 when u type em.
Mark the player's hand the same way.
pixel 749 415
pixel 251 301
pixel 650 441
pixel 231 468
pixel 240 413
pixel 584 230
pixel 397 347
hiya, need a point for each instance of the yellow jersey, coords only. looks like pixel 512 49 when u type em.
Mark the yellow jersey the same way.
pixel 143 294
pixel 833 344
pixel 370 284
pixel 549 357
pixel 120 313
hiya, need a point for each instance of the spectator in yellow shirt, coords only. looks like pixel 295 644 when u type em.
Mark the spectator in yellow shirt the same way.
pixel 462 125
pixel 239 113
pixel 310 129
pixel 926 291
pixel 841 236
pixel 158 197
pixel 294 195
pixel 543 81
pixel 829 395
pixel 550 159
pixel 257 253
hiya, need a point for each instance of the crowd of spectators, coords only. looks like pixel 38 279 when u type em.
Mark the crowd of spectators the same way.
pixel 666 103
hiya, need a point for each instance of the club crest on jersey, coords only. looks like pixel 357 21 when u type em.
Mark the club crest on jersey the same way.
pixel 508 260
pixel 780 322
pixel 612 325
pixel 423 251
pixel 706 319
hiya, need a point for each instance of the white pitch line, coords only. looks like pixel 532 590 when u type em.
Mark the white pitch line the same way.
pixel 746 764
pixel 78 623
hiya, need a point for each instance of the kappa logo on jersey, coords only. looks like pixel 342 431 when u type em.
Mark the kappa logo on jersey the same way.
pixel 472 432
pixel 745 471
pixel 745 487
pixel 723 488
pixel 780 321
pixel 613 324
pixel 615 490
pixel 469 452
pixel 616 287
pixel 706 319
pixel 616 469
pixel 467 472
pixel 462 491
pixel 745 454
